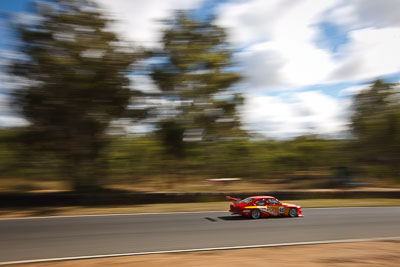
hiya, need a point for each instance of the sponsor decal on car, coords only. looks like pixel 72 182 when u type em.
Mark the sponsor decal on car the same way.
pixel 269 210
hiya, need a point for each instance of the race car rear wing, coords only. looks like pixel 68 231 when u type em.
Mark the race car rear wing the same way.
pixel 231 198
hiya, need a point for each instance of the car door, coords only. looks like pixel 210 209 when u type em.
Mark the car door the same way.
pixel 276 208
pixel 262 205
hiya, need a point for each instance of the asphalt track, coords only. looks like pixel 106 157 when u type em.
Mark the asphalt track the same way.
pixel 39 238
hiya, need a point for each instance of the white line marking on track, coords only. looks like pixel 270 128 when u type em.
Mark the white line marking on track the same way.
pixel 107 215
pixel 355 207
pixel 202 249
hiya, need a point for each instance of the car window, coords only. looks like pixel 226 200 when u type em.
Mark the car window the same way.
pixel 260 202
pixel 247 200
pixel 273 201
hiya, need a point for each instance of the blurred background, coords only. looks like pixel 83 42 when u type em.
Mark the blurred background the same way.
pixel 202 95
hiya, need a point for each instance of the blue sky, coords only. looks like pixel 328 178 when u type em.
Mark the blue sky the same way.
pixel 7 7
pixel 302 60
pixel 14 5
pixel 331 37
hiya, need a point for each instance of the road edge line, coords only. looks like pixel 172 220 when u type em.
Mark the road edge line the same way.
pixel 201 249
pixel 106 215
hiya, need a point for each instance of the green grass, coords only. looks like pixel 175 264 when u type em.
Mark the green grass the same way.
pixel 181 207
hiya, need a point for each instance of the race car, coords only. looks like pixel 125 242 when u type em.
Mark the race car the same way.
pixel 256 207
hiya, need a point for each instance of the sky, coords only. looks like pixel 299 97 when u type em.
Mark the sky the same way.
pixel 302 60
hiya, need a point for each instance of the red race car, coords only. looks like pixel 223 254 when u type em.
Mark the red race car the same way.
pixel 263 206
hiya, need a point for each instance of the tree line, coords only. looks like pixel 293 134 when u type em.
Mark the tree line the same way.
pixel 76 88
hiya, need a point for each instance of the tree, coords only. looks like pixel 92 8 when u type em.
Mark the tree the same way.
pixel 376 125
pixel 75 72
pixel 196 73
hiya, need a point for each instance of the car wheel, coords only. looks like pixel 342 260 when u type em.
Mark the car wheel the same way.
pixel 293 212
pixel 255 214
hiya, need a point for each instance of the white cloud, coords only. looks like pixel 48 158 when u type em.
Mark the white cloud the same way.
pixel 279 36
pixel 279 40
pixel 140 21
pixel 7 117
pixel 295 113
pixel 12 121
pixel 143 83
pixel 4 104
pixel 370 53
pixel 353 90
pixel 357 14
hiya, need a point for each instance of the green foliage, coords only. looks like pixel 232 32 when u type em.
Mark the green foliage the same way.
pixel 130 159
pixel 74 70
pixel 306 161
pixel 376 126
pixel 74 76
pixel 195 73
pixel 171 134
pixel 8 155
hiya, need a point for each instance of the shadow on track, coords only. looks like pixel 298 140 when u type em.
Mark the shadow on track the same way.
pixel 233 218
pixel 242 218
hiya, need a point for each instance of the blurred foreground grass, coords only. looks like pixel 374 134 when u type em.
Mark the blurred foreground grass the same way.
pixel 186 207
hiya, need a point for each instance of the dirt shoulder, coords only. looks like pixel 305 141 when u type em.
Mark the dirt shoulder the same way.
pixel 377 253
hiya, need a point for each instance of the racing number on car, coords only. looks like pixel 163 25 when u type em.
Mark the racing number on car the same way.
pixel 281 209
